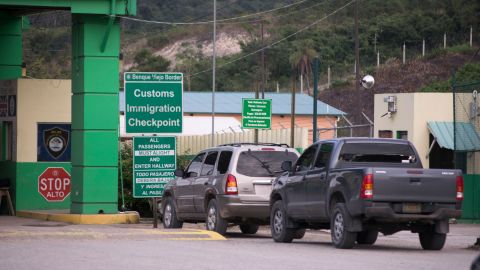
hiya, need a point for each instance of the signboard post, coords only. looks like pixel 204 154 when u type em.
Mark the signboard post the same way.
pixel 256 113
pixel 153 102
pixel 154 164
pixel 153 105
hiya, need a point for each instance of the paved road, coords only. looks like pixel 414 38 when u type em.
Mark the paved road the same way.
pixel 32 244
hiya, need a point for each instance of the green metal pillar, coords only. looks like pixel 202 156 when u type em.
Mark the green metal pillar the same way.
pixel 10 47
pixel 95 114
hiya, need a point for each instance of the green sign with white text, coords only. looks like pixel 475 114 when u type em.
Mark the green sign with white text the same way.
pixel 256 113
pixel 154 164
pixel 153 102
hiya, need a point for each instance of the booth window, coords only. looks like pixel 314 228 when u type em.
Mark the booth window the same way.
pixel 385 134
pixel 402 135
pixel 7 140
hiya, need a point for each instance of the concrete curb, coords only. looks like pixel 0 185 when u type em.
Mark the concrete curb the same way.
pixel 101 219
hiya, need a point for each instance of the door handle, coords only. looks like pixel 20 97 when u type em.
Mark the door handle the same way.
pixel 304 177
pixel 205 183
pixel 322 177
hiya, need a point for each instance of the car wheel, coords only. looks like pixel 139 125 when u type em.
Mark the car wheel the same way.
pixel 278 224
pixel 431 240
pixel 214 222
pixel 249 228
pixel 170 220
pixel 341 238
pixel 299 233
pixel 368 237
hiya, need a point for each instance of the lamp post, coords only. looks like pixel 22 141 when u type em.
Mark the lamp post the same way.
pixel 214 67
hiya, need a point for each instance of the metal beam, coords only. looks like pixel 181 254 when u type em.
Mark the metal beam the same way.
pixel 122 7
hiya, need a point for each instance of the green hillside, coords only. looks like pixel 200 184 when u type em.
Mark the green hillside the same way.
pixel 384 27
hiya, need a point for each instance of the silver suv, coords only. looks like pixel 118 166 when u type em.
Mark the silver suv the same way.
pixel 226 184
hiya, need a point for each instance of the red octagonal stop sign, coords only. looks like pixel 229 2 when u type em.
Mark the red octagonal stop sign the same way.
pixel 54 184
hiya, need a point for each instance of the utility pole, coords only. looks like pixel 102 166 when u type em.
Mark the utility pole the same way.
pixel 263 63
pixel 315 93
pixel 214 68
pixel 357 64
pixel 292 115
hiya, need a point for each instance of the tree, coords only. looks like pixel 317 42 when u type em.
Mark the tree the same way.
pixel 148 62
pixel 301 59
pixel 187 58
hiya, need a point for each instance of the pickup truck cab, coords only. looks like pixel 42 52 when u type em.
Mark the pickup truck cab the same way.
pixel 357 187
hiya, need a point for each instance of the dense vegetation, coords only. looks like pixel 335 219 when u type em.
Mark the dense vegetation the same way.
pixel 384 27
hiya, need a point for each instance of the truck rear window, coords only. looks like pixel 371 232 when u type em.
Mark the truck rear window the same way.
pixel 377 152
pixel 263 163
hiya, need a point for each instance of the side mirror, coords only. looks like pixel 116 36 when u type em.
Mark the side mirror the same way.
pixel 179 173
pixel 286 166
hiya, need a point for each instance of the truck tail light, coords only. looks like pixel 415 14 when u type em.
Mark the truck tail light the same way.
pixel 459 188
pixel 366 191
pixel 231 185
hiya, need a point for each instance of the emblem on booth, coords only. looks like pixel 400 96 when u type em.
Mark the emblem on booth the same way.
pixel 54 142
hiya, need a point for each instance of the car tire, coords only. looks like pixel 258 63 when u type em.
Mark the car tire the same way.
pixel 249 228
pixel 278 224
pixel 299 233
pixel 368 237
pixel 213 221
pixel 170 220
pixel 431 240
pixel 341 238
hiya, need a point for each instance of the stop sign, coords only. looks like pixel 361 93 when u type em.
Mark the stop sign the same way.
pixel 54 184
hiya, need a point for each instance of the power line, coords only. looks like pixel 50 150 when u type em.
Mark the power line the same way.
pixel 277 16
pixel 278 41
pixel 210 22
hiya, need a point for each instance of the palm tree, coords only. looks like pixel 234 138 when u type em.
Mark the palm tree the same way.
pixel 301 59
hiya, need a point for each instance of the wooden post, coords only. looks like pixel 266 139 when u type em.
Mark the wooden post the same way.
pixel 471 36
pixel 423 48
pixel 445 40
pixel 329 77
pixel 378 59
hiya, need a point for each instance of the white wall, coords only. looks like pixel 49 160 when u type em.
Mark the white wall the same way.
pixel 414 111
pixel 39 101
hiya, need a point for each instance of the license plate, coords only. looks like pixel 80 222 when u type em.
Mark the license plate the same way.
pixel 412 208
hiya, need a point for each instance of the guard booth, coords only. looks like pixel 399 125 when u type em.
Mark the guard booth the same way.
pixel 35 134
pixel 42 144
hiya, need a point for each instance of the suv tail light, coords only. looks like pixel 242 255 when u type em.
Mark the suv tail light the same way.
pixel 459 188
pixel 366 191
pixel 231 185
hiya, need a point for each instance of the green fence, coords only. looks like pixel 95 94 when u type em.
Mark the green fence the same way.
pixel 471 202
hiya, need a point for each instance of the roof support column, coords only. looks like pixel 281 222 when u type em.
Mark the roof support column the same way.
pixel 10 47
pixel 95 85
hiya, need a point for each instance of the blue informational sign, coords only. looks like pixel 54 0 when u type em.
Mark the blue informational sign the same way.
pixel 53 142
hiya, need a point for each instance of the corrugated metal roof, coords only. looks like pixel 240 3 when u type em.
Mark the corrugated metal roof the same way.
pixel 467 138
pixel 231 103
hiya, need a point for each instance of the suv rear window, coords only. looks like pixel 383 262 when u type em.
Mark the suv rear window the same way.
pixel 263 163
pixel 377 152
